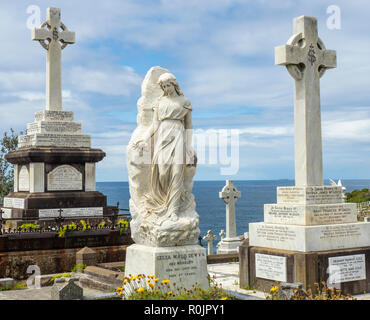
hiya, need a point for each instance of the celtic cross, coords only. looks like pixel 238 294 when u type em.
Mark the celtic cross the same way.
pixel 306 59
pixel 54 36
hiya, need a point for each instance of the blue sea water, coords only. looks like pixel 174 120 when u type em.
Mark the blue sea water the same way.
pixel 211 209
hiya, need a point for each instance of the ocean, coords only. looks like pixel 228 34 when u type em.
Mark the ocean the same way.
pixel 211 209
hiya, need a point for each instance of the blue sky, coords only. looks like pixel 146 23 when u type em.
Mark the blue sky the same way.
pixel 222 53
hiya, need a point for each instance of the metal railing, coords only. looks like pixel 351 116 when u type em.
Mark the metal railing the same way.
pixel 60 219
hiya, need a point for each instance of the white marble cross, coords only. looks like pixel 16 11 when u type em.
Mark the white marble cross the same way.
pixel 306 59
pixel 230 195
pixel 210 237
pixel 57 41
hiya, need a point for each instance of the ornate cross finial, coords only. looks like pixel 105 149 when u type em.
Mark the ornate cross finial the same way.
pixel 58 37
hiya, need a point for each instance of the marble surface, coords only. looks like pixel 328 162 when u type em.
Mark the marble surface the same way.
pixel 183 265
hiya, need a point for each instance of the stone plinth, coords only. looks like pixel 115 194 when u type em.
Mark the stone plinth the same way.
pixel 184 265
pixel 228 245
pixel 344 269
pixel 309 238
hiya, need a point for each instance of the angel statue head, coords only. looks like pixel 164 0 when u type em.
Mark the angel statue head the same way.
pixel 169 84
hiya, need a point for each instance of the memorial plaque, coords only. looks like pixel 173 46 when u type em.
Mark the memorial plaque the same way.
pixel 310 214
pixel 347 268
pixel 71 212
pixel 271 267
pixel 64 177
pixel 23 179
pixel 17 203
pixel 310 195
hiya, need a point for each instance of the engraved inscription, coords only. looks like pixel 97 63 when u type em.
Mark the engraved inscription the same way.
pixel 17 203
pixel 346 268
pixel 271 267
pixel 24 179
pixel 71 212
pixel 64 177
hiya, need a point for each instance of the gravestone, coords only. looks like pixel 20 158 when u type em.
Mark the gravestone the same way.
pixel 86 256
pixel 54 165
pixel 66 289
pixel 209 238
pixel 231 242
pixel 161 165
pixel 310 224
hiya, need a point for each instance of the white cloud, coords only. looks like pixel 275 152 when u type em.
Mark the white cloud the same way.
pixel 105 80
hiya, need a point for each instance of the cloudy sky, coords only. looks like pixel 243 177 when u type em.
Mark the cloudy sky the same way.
pixel 222 53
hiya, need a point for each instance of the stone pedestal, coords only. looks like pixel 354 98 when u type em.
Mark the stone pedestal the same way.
pixel 345 269
pixel 309 236
pixel 228 245
pixel 54 167
pixel 184 265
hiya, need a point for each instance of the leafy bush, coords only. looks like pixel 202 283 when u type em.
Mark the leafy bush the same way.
pixel 29 226
pixel 358 196
pixel 79 268
pixel 65 275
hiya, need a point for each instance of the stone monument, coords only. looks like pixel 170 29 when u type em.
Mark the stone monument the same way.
pixel 311 234
pixel 231 242
pixel 161 164
pixel 54 165
pixel 209 238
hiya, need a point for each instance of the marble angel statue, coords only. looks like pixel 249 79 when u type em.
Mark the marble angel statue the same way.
pixel 161 165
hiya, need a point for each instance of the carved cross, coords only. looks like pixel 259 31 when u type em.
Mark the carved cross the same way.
pixel 306 59
pixel 58 37
pixel 230 195
pixel 210 237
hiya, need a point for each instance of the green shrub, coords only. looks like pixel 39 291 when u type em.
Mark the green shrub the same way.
pixel 65 275
pixel 79 268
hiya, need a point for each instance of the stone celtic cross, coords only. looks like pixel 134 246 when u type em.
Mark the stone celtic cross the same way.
pixel 306 59
pixel 58 37
pixel 230 195
pixel 210 237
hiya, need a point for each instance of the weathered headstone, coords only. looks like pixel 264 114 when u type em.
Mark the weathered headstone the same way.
pixel 209 238
pixel 231 242
pixel 310 222
pixel 86 256
pixel 66 289
pixel 54 166
pixel 161 165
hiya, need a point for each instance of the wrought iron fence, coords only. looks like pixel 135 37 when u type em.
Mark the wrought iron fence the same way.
pixel 57 223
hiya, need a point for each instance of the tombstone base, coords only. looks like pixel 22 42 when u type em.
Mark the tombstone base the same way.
pixel 352 266
pixel 183 265
pixel 228 245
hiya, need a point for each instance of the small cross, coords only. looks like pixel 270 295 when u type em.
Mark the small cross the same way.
pixel 306 59
pixel 230 195
pixel 57 41
pixel 222 234
pixel 209 238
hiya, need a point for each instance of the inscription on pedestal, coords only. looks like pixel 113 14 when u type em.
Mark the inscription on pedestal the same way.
pixel 64 177
pixel 347 268
pixel 71 212
pixel 271 267
pixel 24 179
pixel 179 265
pixel 17 203
pixel 310 195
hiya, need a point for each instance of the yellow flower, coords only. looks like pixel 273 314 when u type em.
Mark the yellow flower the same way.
pixel 151 285
pixel 165 281
pixel 155 291
pixel 156 279
pixel 169 292
pixel 273 289
pixel 140 290
pixel 223 298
